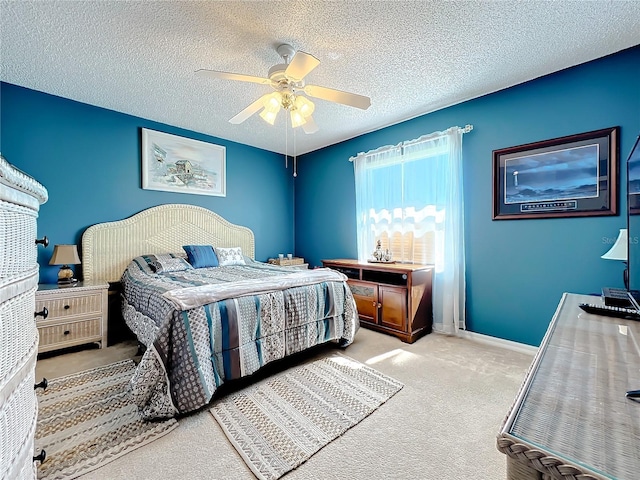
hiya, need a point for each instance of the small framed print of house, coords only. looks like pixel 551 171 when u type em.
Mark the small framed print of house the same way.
pixel 177 164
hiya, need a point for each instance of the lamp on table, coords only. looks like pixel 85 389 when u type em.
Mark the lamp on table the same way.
pixel 619 252
pixel 65 255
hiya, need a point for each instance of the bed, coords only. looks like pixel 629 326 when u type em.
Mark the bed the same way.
pixel 205 326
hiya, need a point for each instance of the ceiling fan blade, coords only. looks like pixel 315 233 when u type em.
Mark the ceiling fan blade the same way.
pixel 338 96
pixel 300 66
pixel 232 76
pixel 310 125
pixel 250 110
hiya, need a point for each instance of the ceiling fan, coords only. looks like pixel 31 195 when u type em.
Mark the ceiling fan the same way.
pixel 287 80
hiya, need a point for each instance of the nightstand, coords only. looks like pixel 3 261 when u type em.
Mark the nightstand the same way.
pixel 75 315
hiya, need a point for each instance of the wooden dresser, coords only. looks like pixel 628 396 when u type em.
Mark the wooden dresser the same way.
pixel 20 199
pixel 394 298
pixel 571 419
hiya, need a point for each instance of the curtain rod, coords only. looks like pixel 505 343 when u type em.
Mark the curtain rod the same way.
pixel 466 129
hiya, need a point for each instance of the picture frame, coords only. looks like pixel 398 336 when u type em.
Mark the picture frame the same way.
pixel 633 179
pixel 171 163
pixel 572 176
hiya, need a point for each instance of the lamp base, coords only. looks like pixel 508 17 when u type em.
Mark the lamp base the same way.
pixel 65 277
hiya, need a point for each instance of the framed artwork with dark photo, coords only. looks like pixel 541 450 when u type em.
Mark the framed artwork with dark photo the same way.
pixel 572 176
pixel 633 183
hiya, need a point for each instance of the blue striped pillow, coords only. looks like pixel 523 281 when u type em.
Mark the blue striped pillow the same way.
pixel 201 256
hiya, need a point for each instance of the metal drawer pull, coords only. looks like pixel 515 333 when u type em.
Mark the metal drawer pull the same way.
pixel 43 384
pixel 44 313
pixel 67 332
pixel 44 241
pixel 40 458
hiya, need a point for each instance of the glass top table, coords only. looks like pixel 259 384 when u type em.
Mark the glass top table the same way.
pixel 571 416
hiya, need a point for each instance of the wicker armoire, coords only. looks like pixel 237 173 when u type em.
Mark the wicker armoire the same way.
pixel 20 200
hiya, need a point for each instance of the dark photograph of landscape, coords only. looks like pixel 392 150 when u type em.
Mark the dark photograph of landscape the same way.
pixel 565 174
pixel 634 178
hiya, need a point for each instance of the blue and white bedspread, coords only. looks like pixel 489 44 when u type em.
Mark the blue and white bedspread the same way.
pixel 204 326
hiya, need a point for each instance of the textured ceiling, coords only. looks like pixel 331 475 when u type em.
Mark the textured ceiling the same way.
pixel 410 57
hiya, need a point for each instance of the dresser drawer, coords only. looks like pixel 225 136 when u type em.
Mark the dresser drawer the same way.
pixel 67 334
pixel 18 414
pixel 62 307
pixel 18 232
pixel 18 334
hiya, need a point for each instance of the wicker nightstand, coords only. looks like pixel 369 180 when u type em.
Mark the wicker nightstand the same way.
pixel 75 315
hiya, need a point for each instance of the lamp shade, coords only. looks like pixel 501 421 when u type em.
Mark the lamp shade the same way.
pixel 296 119
pixel 65 255
pixel 619 249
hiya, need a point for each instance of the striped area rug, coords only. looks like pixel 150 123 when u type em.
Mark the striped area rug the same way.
pixel 281 421
pixel 86 420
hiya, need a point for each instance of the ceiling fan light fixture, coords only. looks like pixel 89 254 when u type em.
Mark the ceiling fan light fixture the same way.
pixel 304 106
pixel 288 79
pixel 269 116
pixel 271 108
pixel 296 118
pixel 272 102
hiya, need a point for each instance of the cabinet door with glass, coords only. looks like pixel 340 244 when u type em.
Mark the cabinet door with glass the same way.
pixel 366 296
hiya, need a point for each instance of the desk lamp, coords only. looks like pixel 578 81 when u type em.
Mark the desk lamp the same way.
pixel 65 255
pixel 619 252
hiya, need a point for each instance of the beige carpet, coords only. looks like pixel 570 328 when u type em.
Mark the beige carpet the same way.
pixel 441 426
pixel 86 420
pixel 280 422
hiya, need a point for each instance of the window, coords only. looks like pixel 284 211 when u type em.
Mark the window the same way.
pixel 410 198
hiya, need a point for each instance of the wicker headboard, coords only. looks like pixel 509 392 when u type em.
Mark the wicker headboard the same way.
pixel 107 248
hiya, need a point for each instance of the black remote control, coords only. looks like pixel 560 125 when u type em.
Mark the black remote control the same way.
pixel 611 311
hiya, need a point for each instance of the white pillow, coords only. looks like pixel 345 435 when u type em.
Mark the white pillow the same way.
pixel 229 256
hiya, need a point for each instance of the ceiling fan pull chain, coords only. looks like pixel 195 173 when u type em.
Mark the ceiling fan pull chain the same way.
pixel 295 157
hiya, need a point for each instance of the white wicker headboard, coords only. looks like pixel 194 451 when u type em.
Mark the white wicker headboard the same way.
pixel 107 248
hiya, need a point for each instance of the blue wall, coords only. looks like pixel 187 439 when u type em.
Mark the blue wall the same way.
pixel 517 270
pixel 89 160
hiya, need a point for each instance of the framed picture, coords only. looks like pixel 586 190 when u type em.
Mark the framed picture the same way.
pixel 177 164
pixel 633 178
pixel 569 176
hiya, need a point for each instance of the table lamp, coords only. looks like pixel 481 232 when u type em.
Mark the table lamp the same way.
pixel 65 255
pixel 619 252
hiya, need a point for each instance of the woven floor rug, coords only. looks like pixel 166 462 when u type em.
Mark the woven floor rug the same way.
pixel 86 420
pixel 280 422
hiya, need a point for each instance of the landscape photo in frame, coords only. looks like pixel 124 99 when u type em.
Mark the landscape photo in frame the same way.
pixel 568 176
pixel 172 163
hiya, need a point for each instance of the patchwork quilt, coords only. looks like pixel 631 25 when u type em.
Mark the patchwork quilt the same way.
pixel 205 326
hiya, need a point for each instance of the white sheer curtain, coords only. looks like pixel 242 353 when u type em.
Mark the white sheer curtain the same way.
pixel 413 193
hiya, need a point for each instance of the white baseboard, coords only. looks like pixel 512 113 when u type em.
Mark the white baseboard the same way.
pixel 499 342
